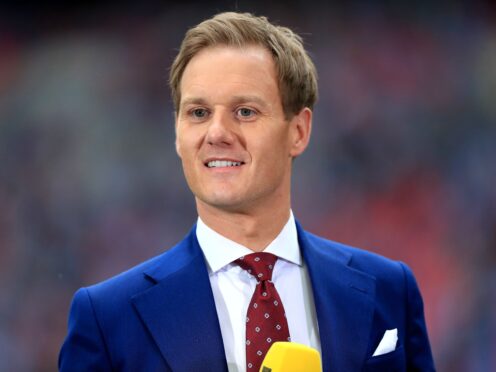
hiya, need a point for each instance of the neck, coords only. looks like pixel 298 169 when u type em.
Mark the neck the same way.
pixel 252 230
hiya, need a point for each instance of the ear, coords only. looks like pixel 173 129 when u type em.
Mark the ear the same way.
pixel 301 128
pixel 178 146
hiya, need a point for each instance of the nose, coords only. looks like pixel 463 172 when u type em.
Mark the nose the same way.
pixel 221 130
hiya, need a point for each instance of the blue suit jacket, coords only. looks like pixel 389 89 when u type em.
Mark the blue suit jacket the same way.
pixel 161 316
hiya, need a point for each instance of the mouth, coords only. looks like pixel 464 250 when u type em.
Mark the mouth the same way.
pixel 223 164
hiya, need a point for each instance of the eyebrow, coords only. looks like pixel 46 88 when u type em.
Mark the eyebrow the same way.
pixel 193 101
pixel 249 98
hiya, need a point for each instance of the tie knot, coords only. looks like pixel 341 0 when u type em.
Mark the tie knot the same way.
pixel 260 265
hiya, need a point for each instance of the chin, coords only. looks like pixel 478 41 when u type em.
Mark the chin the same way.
pixel 225 202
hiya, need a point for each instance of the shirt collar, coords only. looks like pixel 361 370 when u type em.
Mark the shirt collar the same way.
pixel 220 251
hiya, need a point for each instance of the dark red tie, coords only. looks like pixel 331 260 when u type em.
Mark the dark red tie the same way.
pixel 265 320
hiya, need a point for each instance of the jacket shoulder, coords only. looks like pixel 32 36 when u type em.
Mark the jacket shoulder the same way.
pixel 144 275
pixel 381 268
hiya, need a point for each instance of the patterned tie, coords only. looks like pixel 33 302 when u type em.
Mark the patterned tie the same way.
pixel 266 320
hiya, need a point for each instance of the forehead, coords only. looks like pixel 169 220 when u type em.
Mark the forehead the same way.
pixel 230 70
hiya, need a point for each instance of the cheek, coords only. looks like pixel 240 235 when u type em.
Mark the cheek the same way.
pixel 278 147
pixel 272 158
pixel 186 141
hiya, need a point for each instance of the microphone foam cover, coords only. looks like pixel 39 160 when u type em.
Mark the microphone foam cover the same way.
pixel 291 357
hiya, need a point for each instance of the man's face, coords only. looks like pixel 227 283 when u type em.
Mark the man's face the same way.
pixel 233 139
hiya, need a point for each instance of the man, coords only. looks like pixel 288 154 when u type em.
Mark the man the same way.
pixel 243 91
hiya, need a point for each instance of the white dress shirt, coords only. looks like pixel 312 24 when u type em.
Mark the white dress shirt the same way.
pixel 233 288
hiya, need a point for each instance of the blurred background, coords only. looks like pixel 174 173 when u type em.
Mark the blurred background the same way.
pixel 402 160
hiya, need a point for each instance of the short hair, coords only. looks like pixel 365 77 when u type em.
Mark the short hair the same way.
pixel 297 76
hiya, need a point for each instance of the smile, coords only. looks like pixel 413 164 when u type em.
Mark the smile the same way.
pixel 223 163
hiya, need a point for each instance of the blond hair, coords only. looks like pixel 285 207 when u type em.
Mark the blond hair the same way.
pixel 296 72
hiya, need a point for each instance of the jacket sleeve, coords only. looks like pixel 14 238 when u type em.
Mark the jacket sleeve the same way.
pixel 84 348
pixel 418 350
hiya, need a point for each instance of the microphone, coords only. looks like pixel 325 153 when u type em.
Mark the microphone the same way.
pixel 291 357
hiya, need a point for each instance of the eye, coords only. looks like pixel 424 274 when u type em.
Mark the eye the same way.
pixel 245 112
pixel 199 113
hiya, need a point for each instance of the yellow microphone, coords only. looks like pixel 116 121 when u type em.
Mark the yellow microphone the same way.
pixel 291 357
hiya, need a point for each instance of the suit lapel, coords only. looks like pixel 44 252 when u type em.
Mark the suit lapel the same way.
pixel 344 302
pixel 179 310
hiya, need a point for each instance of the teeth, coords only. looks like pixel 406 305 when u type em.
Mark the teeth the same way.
pixel 223 163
